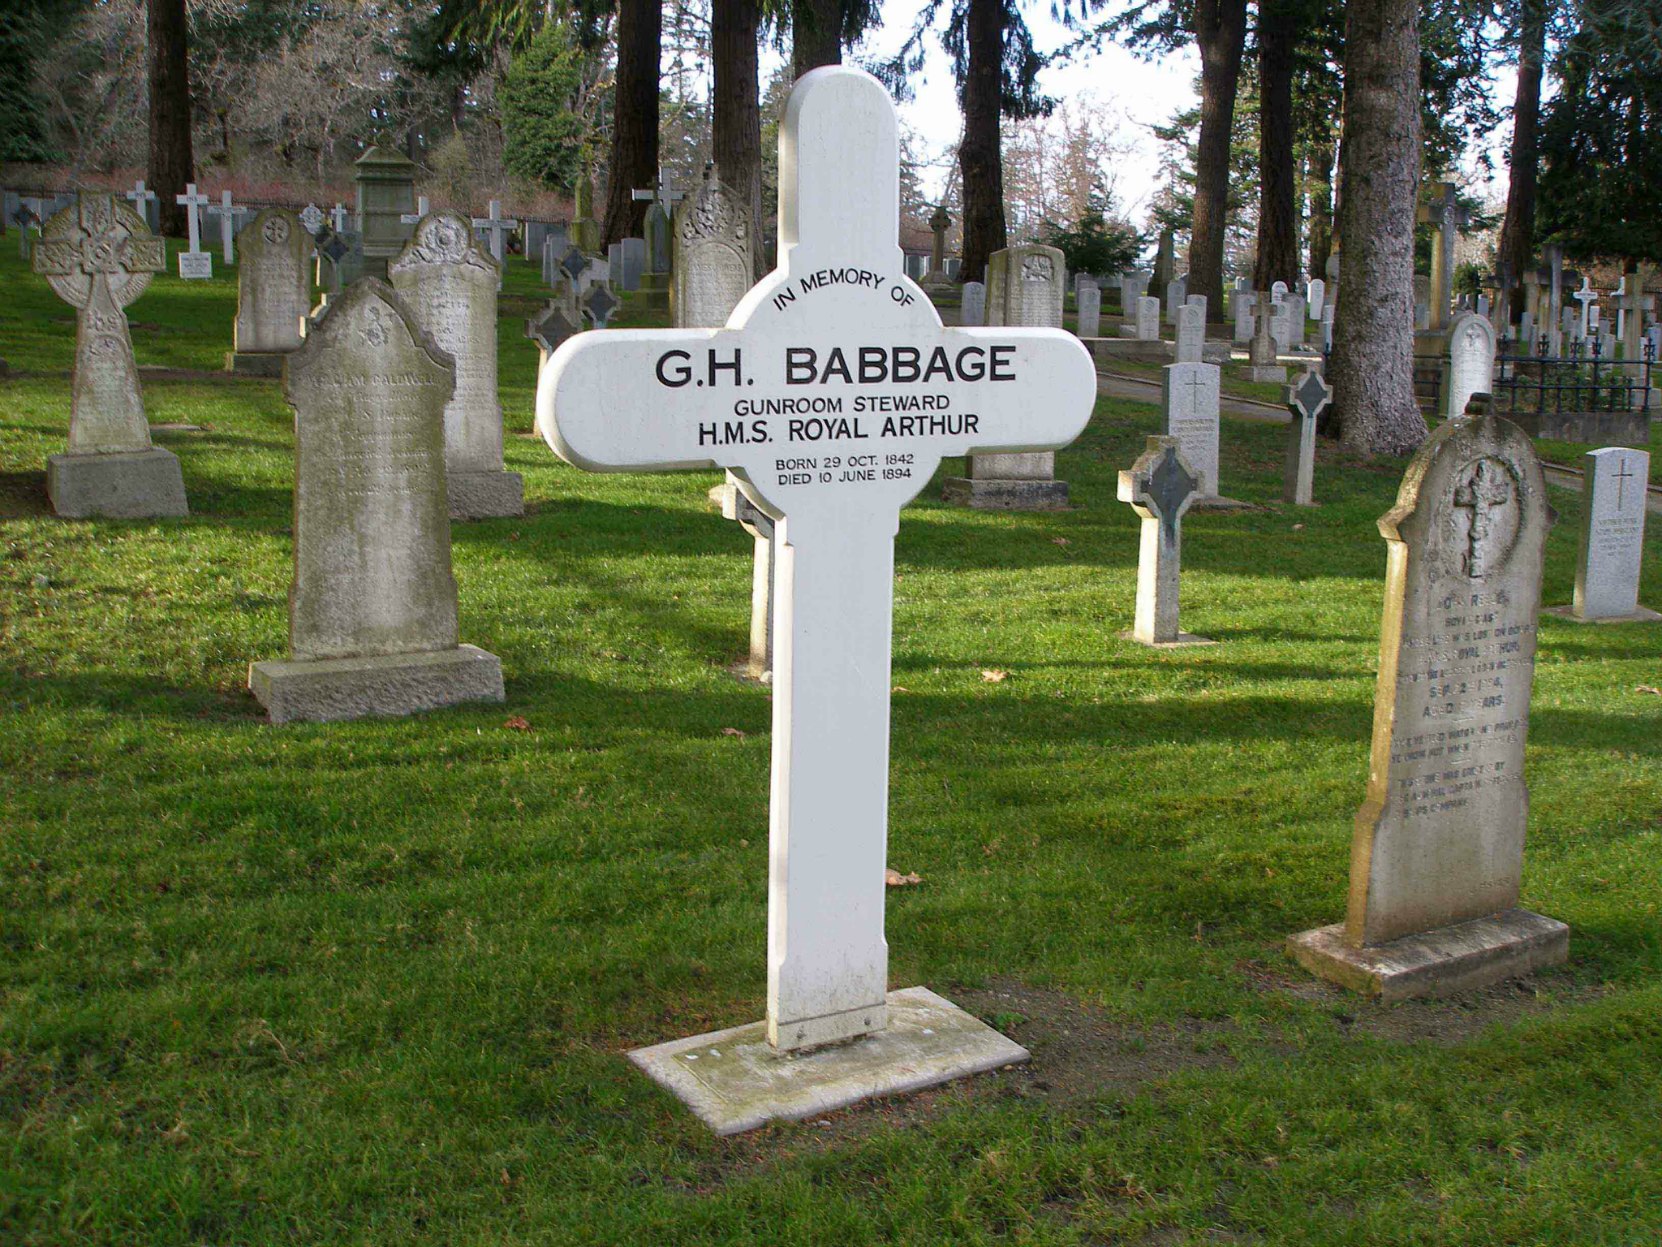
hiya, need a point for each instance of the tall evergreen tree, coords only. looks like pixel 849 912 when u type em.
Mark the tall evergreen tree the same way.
pixel 171 165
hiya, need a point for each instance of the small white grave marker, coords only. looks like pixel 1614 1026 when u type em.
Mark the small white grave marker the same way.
pixel 194 264
pixel 832 395
pixel 338 218
pixel 1306 400
pixel 227 227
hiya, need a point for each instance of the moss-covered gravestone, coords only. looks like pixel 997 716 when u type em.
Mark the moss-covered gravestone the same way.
pixel 372 611
pixel 273 293
pixel 1437 858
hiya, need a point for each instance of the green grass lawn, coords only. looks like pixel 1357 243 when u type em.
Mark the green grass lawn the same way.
pixel 371 983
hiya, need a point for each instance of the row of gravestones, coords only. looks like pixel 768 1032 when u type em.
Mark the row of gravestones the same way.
pixel 1438 851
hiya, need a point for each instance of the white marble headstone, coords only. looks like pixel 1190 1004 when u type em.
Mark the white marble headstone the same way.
pixel 1191 400
pixel 1612 534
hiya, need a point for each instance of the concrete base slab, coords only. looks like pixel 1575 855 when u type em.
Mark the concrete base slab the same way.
pixel 485 495
pixel 1184 639
pixel 1640 615
pixel 1217 502
pixel 996 495
pixel 332 689
pixel 1277 372
pixel 733 1080
pixel 138 484
pixel 1443 962
pixel 255 363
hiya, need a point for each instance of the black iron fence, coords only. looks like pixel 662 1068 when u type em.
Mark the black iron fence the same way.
pixel 1579 396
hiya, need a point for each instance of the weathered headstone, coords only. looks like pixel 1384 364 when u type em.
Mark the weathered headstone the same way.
pixel 98 256
pixel 1263 363
pixel 633 254
pixel 449 284
pixel 974 307
pixel 1315 296
pixel 1612 540
pixel 1191 333
pixel 1243 306
pixel 372 611
pixel 1438 852
pixel 1305 401
pixel 1190 399
pixel 1089 305
pixel 1025 286
pixel 798 353
pixel 1177 293
pixel 1160 486
pixel 1148 319
pixel 1471 361
pixel 273 294
pixel 712 257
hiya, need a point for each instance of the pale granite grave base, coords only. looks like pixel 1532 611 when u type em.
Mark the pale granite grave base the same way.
pixel 1640 615
pixel 1006 495
pixel 733 1080
pixel 1277 372
pixel 331 689
pixel 1184 640
pixel 1443 962
pixel 485 495
pixel 1218 502
pixel 130 485
pixel 255 363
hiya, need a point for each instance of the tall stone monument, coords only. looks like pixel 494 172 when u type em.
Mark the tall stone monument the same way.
pixel 274 293
pixel 1025 286
pixel 385 182
pixel 449 284
pixel 372 610
pixel 1438 853
pixel 585 230
pixel 939 222
pixel 800 353
pixel 98 256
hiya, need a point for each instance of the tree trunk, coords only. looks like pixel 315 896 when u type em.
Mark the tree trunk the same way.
pixel 1277 210
pixel 1372 367
pixel 1220 34
pixel 736 115
pixel 634 155
pixel 1517 233
pixel 171 166
pixel 816 35
pixel 979 155
pixel 1323 153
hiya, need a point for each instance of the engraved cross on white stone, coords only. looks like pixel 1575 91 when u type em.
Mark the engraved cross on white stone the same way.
pixel 1586 296
pixel 832 394
pixel 193 202
pixel 498 227
pixel 1622 476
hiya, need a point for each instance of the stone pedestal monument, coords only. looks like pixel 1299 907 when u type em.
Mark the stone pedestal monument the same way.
pixel 98 256
pixel 385 180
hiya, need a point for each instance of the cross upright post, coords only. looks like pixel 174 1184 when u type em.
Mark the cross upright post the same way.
pixel 832 394
pixel 141 200
pixel 192 201
pixel 1160 486
pixel 1305 400
pixel 498 227
pixel 227 228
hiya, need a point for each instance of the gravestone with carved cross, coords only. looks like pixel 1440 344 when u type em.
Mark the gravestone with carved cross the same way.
pixel 1190 399
pixel 1160 487
pixel 194 264
pixel 1436 864
pixel 273 294
pixel 98 257
pixel 1612 540
pixel 833 393
pixel 1306 400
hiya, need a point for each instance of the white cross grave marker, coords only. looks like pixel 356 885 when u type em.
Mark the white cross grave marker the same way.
pixel 664 194
pixel 1586 296
pixel 498 227
pixel 337 218
pixel 227 228
pixel 194 264
pixel 141 199
pixel 832 394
